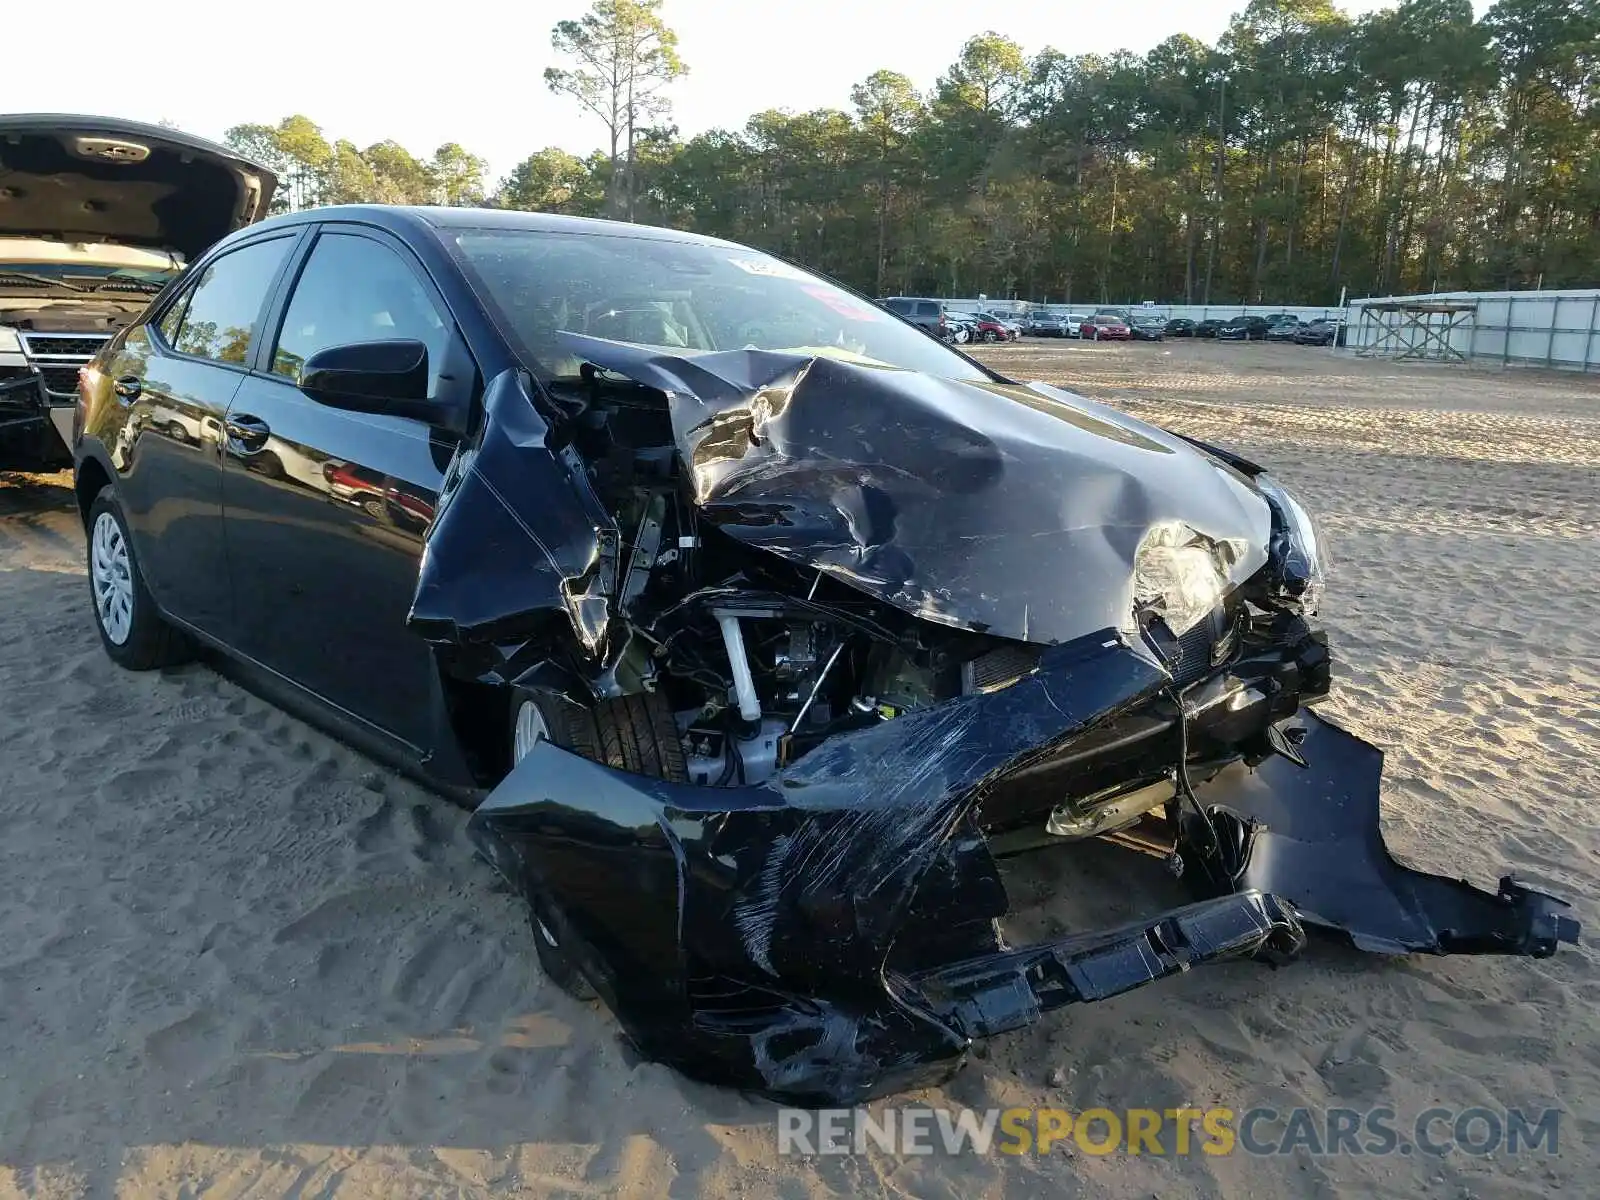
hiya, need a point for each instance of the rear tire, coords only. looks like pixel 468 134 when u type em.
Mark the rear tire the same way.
pixel 134 633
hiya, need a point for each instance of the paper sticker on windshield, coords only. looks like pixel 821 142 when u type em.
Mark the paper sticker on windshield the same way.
pixel 770 267
pixel 844 304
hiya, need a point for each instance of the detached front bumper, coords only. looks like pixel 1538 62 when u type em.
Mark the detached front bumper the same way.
pixel 832 935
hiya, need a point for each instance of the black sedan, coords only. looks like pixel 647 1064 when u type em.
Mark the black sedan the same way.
pixel 1180 327
pixel 1208 328
pixel 1243 329
pixel 1319 333
pixel 746 615
pixel 1283 329
pixel 1148 329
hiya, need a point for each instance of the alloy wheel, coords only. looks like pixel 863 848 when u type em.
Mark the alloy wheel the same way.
pixel 111 572
pixel 529 731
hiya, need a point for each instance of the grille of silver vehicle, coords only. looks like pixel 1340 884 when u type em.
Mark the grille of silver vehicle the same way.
pixel 57 356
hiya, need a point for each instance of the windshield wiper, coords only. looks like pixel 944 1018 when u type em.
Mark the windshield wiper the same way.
pixel 44 280
pixel 148 286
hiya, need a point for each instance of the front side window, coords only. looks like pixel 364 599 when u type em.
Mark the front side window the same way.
pixel 219 313
pixel 351 290
pixel 685 297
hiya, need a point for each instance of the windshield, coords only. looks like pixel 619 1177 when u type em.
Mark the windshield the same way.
pixel 683 296
pixel 85 277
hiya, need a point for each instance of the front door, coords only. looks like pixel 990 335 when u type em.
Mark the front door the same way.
pixel 325 509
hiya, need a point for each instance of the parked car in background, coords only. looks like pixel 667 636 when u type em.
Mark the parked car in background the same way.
pixel 1075 323
pixel 983 328
pixel 1320 333
pixel 1148 329
pixel 963 326
pixel 1283 329
pixel 1180 327
pixel 1103 328
pixel 1121 313
pixel 1208 328
pixel 926 314
pixel 96 216
pixel 1012 326
pixel 1043 323
pixel 1243 329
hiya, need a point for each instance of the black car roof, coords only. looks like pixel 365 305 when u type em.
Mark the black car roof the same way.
pixel 400 217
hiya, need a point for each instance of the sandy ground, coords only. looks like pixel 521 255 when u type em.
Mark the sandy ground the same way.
pixel 239 959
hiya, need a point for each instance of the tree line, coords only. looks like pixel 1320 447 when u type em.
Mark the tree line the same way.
pixel 1305 153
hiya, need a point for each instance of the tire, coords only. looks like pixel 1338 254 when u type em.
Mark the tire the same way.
pixel 135 635
pixel 990 336
pixel 630 733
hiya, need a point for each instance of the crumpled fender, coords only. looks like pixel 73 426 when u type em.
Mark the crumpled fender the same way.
pixel 518 539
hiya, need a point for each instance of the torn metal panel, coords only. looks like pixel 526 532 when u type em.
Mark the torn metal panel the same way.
pixel 1312 836
pixel 1017 511
pixel 518 538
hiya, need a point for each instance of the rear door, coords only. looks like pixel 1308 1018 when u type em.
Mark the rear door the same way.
pixel 174 378
pixel 327 508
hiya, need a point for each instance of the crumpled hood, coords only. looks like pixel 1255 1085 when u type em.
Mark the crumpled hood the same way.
pixel 99 179
pixel 1009 509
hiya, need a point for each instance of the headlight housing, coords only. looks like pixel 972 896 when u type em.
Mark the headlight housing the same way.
pixel 1181 575
pixel 10 343
pixel 1296 562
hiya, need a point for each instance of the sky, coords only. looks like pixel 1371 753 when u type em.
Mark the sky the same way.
pixel 472 71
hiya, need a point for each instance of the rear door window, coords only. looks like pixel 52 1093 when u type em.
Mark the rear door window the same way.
pixel 903 307
pixel 927 309
pixel 221 311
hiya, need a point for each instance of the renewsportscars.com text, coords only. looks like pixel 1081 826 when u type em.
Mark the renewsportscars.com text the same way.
pixel 1433 1132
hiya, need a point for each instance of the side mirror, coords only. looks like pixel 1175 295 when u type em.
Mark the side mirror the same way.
pixel 390 377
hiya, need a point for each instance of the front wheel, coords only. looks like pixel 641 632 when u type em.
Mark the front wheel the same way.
pixel 630 733
pixel 134 634
pixel 990 336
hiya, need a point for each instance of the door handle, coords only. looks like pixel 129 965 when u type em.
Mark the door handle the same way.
pixel 128 387
pixel 250 432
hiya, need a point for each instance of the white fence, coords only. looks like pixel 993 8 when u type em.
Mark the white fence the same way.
pixel 1167 312
pixel 1547 329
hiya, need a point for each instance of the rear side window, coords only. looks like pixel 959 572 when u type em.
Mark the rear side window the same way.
pixel 927 309
pixel 354 289
pixel 903 307
pixel 220 312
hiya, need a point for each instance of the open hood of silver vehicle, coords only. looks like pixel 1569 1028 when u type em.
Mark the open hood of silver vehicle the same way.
pixel 97 179
pixel 1025 512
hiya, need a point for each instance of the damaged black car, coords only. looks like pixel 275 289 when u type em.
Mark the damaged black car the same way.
pixel 758 626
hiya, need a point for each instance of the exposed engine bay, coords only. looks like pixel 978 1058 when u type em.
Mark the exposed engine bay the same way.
pixel 68 316
pixel 762 660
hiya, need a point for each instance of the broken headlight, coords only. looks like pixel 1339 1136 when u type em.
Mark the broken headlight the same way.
pixel 1181 575
pixel 1295 556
